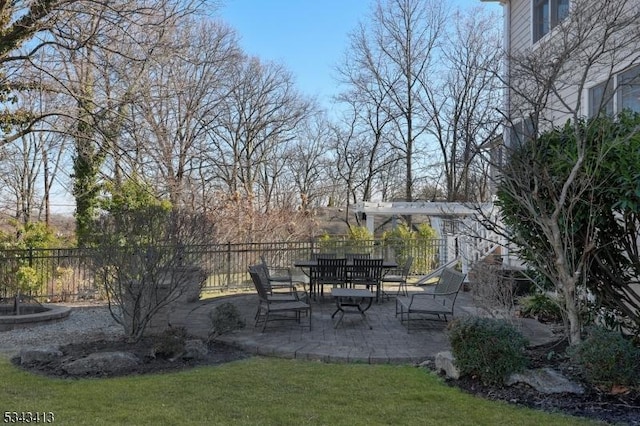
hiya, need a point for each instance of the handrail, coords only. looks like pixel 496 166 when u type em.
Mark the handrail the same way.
pixel 436 272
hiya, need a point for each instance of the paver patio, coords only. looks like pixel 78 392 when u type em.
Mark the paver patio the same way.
pixel 387 341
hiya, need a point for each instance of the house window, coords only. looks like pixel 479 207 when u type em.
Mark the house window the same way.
pixel 601 98
pixel 520 132
pixel 606 99
pixel 546 15
pixel 629 90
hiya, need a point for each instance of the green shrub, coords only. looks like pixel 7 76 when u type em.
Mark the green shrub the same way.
pixel 605 357
pixel 359 240
pixel 425 231
pixel 224 319
pixel 540 306
pixel 405 242
pixel 326 243
pixel 360 233
pixel 170 343
pixel 28 280
pixel 487 348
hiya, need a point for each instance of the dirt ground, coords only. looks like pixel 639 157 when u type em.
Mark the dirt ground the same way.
pixel 621 407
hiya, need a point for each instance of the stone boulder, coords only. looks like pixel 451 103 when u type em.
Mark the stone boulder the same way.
pixel 39 355
pixel 103 363
pixel 445 362
pixel 546 380
pixel 195 349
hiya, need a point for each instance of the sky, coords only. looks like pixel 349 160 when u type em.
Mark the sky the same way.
pixel 309 37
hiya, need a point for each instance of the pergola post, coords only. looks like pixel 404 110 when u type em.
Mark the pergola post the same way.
pixel 370 223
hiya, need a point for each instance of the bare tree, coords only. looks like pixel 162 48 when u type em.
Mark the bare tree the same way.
pixel 368 127
pixel 308 156
pixel 29 166
pixel 145 265
pixel 393 56
pixel 32 27
pixel 546 85
pixel 180 98
pixel 463 95
pixel 258 117
pixel 72 53
pixel 361 156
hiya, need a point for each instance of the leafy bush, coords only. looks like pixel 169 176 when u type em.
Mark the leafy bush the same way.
pixel 540 306
pixel 19 273
pixel 360 233
pixel 360 240
pixel 224 319
pixel 487 348
pixel 405 242
pixel 326 243
pixel 425 231
pixel 605 357
pixel 170 343
pixel 28 280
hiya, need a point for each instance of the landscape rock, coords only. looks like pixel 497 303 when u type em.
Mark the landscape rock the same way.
pixel 546 380
pixel 103 362
pixel 445 361
pixel 427 363
pixel 195 349
pixel 39 355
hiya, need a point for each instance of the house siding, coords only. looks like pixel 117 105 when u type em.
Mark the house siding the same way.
pixel 572 98
pixel 520 25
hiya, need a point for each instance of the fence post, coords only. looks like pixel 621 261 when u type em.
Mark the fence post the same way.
pixel 228 265
pixel 30 257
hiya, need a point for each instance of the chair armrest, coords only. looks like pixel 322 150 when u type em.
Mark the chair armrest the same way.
pixel 279 273
pixel 304 291
pixel 432 295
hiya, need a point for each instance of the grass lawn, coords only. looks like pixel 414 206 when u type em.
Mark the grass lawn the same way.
pixel 264 391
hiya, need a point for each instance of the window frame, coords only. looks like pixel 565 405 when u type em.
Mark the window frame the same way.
pixel 520 131
pixel 633 74
pixel 544 22
pixel 598 95
pixel 617 88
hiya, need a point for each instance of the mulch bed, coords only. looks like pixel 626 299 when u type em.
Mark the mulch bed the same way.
pixel 218 353
pixel 615 406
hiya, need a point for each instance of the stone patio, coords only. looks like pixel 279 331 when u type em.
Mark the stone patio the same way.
pixel 387 341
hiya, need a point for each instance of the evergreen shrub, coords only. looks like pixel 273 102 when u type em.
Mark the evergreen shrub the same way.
pixel 487 348
pixel 606 357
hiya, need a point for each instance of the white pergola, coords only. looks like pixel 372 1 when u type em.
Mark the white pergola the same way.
pixel 435 210
pixel 475 244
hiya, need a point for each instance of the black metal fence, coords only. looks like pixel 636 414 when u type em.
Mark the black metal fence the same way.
pixel 66 274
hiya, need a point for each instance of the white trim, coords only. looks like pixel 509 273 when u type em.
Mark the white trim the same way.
pixel 420 207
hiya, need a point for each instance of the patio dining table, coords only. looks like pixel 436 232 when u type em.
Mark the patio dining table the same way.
pixel 309 265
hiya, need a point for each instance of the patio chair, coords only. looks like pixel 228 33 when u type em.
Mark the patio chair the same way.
pixel 270 309
pixel 439 302
pixel 398 276
pixel 282 293
pixel 278 276
pixel 331 272
pixel 367 273
pixel 280 280
pixel 316 256
pixel 351 256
